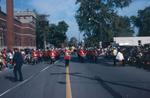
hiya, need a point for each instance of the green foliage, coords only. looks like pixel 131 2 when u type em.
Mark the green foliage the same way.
pixel 99 21
pixel 62 27
pixel 122 27
pixel 73 41
pixel 91 41
pixel 52 33
pixel 57 33
pixel 39 34
pixel 142 21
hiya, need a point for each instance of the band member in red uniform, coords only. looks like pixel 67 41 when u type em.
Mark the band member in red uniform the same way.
pixel 81 54
pixel 52 55
pixel 67 56
pixel 34 57
pixel 40 55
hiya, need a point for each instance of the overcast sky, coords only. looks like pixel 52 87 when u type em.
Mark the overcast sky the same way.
pixel 65 10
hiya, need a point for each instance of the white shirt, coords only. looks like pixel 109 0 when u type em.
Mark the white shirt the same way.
pixel 119 56
pixel 10 55
pixel 115 52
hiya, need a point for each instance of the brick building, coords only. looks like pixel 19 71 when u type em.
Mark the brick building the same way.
pixel 24 35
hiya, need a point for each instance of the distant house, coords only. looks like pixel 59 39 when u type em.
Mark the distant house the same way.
pixel 132 41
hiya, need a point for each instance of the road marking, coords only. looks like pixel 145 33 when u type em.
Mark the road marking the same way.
pixel 21 83
pixel 44 69
pixel 16 86
pixel 68 84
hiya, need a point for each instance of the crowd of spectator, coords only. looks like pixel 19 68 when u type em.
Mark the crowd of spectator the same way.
pixel 30 56
pixel 132 55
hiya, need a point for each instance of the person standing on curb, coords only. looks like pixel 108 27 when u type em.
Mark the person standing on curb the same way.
pixel 17 63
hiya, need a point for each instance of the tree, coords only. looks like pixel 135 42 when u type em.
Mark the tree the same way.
pixel 42 25
pixel 50 33
pixel 97 18
pixel 73 41
pixel 57 33
pixel 142 21
pixel 91 41
pixel 62 27
pixel 122 27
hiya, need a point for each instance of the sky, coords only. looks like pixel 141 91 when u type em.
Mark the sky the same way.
pixel 65 10
pixel 133 8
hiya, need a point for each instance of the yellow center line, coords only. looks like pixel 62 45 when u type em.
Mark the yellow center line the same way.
pixel 68 84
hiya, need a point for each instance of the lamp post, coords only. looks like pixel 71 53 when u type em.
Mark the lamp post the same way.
pixel 100 35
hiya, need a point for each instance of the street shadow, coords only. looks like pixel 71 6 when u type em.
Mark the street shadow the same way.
pixel 140 66
pixel 64 82
pixel 86 61
pixel 64 73
pixel 62 66
pixel 104 84
pixel 145 67
pixel 108 88
pixel 10 78
pixel 106 62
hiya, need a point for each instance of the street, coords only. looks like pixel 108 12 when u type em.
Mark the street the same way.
pixel 75 49
pixel 79 80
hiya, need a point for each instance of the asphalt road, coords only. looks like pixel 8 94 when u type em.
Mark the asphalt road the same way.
pixel 79 80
